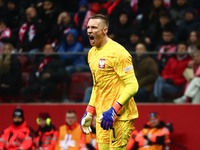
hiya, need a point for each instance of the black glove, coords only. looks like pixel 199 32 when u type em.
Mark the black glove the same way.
pixel 170 127
pixel 170 81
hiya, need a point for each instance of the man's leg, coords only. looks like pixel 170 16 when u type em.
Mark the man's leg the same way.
pixel 120 134
pixel 88 93
pixel 171 89
pixel 142 95
pixel 29 91
pixel 103 137
pixel 118 148
pixel 107 147
pixel 193 87
pixel 196 98
pixel 103 146
pixel 48 90
pixel 158 87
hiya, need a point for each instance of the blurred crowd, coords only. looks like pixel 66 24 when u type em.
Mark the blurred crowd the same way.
pixel 32 31
pixel 20 136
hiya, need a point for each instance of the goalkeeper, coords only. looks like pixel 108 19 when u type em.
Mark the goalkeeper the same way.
pixel 114 85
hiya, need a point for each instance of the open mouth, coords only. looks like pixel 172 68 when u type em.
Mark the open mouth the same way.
pixel 91 39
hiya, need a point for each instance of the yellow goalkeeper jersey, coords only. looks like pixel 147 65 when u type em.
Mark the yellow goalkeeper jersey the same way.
pixel 108 64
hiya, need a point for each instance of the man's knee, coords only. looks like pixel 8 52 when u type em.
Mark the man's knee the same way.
pixel 27 91
pixel 47 90
pixel 119 148
pixel 103 146
pixel 160 79
pixel 196 81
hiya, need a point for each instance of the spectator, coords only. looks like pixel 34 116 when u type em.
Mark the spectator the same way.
pixel 154 31
pixel 115 8
pixel 49 13
pixel 193 87
pixel 17 136
pixel 81 19
pixel 13 16
pixel 70 134
pixel 70 6
pixel 151 15
pixel 134 39
pixel 88 92
pixel 195 3
pixel 31 33
pixel 172 80
pixel 122 28
pixel 47 135
pixel 10 72
pixel 178 11
pixel 143 5
pixel 193 41
pixel 64 23
pixel 154 135
pixel 192 22
pixel 70 44
pixel 93 139
pixel 167 45
pixel 47 75
pixel 5 34
pixel 146 71
pixel 3 9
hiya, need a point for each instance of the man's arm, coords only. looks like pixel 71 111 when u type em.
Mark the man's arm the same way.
pixel 2 142
pixel 108 117
pixel 123 67
pixel 92 98
pixel 130 90
pixel 28 141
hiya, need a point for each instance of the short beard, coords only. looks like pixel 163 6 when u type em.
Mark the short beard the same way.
pixel 18 123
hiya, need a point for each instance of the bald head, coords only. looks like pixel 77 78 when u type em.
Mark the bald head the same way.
pixel 30 13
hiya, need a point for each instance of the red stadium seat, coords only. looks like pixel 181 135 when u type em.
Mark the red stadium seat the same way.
pixel 79 82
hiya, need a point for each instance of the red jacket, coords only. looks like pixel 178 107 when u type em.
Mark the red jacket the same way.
pixel 174 70
pixel 131 142
pixel 46 139
pixel 17 137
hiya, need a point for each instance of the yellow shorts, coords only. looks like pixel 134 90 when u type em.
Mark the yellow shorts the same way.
pixel 116 137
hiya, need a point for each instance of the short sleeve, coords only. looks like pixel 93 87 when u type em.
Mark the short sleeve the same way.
pixel 123 64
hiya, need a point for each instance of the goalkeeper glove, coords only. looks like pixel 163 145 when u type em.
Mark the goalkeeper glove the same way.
pixel 108 117
pixel 87 119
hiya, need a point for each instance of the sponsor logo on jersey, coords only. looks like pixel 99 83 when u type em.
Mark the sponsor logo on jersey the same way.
pixel 128 68
pixel 102 63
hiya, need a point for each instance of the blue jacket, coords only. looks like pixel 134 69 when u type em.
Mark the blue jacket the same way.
pixel 76 60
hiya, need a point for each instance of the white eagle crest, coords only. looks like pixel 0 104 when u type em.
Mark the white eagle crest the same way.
pixel 102 63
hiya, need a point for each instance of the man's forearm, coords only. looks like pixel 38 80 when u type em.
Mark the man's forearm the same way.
pixel 92 98
pixel 130 89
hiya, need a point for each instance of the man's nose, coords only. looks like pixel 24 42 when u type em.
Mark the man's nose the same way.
pixel 89 30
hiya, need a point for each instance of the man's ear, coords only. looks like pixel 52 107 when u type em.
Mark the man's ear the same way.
pixel 105 30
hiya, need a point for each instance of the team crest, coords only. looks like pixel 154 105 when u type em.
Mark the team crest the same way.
pixel 102 63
